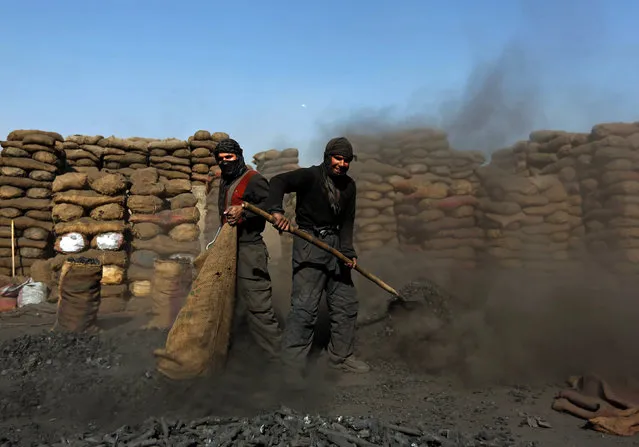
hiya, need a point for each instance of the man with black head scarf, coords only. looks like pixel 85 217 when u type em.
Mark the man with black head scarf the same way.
pixel 239 183
pixel 325 209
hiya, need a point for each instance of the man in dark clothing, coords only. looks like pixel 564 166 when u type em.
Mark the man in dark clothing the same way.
pixel 238 184
pixel 325 209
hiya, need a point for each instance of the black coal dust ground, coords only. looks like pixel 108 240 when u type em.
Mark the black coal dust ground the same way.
pixel 58 389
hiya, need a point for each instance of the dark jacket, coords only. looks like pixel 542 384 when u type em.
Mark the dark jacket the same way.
pixel 256 193
pixel 313 210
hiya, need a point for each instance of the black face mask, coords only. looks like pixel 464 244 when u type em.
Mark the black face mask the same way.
pixel 232 169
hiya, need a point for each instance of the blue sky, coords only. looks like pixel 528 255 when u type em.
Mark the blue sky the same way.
pixel 168 68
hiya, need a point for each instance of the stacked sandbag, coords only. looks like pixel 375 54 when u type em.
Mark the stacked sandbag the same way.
pixel 526 220
pixel 610 185
pixel 171 157
pixel 164 218
pixel 29 162
pixel 89 215
pixel 375 221
pixel 202 144
pixel 125 155
pixel 443 165
pixel 401 147
pixel 83 153
pixel 272 162
pixel 565 148
pixel 146 198
pixel 438 217
pixel 419 151
pixel 181 221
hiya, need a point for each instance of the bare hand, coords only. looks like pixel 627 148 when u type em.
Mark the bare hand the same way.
pixel 233 214
pixel 352 264
pixel 281 222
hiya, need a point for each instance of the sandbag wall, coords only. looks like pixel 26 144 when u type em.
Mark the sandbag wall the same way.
pixel 89 217
pixel 202 144
pixel 440 218
pixel 163 220
pixel 124 155
pixel 609 177
pixel 171 157
pixel 544 203
pixel 270 163
pixel 205 172
pixel 145 199
pixel 83 153
pixel 375 221
pixel 180 221
pixel 30 161
pixel 553 152
pixel 525 220
pixel 433 193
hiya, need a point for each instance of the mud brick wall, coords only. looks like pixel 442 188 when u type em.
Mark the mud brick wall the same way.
pixel 29 162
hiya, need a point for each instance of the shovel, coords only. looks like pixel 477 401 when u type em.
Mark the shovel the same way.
pixel 325 247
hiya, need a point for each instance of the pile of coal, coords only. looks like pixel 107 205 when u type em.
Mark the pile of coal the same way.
pixel 424 293
pixel 29 354
pixel 283 427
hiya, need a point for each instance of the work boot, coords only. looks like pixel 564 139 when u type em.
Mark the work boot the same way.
pixel 351 364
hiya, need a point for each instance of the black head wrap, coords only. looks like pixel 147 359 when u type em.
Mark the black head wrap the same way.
pixel 339 146
pixel 336 146
pixel 230 169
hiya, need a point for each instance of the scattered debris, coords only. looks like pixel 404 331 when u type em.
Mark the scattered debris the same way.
pixel 535 422
pixel 282 427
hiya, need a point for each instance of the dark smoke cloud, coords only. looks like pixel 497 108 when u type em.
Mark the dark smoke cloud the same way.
pixel 538 79
pixel 499 104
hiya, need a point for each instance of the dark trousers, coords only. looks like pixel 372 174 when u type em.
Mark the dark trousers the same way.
pixel 314 272
pixel 254 296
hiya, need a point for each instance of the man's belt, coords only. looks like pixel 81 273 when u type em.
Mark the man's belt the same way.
pixel 321 231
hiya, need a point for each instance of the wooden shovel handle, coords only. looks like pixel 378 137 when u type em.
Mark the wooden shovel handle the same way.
pixel 304 235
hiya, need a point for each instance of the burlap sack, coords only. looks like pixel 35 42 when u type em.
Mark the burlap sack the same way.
pixel 170 285
pixel 78 295
pixel 198 341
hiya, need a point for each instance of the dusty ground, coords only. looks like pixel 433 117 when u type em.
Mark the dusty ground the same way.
pixel 483 377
